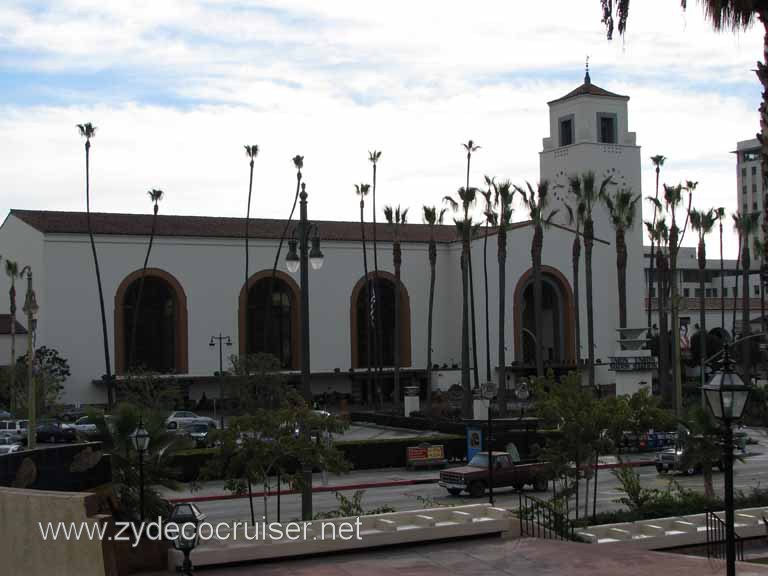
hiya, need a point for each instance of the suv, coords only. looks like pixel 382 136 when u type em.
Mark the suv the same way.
pixel 15 428
pixel 182 418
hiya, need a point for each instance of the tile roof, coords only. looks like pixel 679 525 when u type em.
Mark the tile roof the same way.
pixel 5 325
pixel 588 89
pixel 50 222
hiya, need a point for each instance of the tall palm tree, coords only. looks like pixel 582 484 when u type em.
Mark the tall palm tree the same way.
pixel 702 223
pixel 760 249
pixel 537 202
pixel 576 219
pixel 470 147
pixel 720 213
pixel 361 190
pixel 504 194
pixel 396 218
pixel 467 197
pixel 488 210
pixel 747 225
pixel 88 131
pixel 155 196
pixel 660 235
pixel 12 271
pixel 584 190
pixel 431 218
pixel 251 151
pixel 374 157
pixel 622 210
pixel 658 162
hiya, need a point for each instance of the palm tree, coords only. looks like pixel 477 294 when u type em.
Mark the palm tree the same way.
pixel 251 151
pixel 658 162
pixel 396 218
pixel 471 147
pixel 88 131
pixel 537 202
pixel 703 223
pixel 431 218
pixel 747 225
pixel 504 194
pixel 720 213
pixel 583 189
pixel 12 271
pixel 760 248
pixel 362 191
pixel 374 157
pixel 622 210
pixel 467 197
pixel 488 211
pixel 576 219
pixel 660 235
pixel 155 196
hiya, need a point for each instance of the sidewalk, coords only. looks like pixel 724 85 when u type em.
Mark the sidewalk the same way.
pixel 354 480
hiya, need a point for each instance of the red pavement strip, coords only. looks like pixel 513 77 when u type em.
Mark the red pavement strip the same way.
pixel 359 486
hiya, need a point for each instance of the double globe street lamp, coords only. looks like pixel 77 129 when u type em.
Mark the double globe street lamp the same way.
pixel 727 397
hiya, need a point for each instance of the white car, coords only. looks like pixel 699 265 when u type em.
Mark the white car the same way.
pixel 9 444
pixel 180 419
pixel 85 425
pixel 14 428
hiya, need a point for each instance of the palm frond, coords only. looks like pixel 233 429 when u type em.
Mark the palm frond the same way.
pixel 373 156
pixel 298 162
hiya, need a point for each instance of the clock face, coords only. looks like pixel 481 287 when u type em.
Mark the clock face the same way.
pixel 618 180
pixel 559 188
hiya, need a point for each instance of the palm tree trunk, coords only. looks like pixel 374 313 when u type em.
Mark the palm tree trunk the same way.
pixel 137 306
pixel 376 314
pixel 621 269
pixel 466 404
pixel 575 258
pixel 736 290
pixel 588 242
pixel 397 260
pixel 536 250
pixel 487 328
pixel 649 308
pixel 12 374
pixel 702 303
pixel 722 280
pixel 661 281
pixel 369 382
pixel 245 284
pixel 676 376
pixel 475 369
pixel 432 266
pixel 501 398
pixel 107 363
pixel 746 345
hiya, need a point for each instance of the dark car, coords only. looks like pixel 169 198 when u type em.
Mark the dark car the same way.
pixel 52 431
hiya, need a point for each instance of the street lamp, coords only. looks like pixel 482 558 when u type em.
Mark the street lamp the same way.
pixel 187 518
pixel 222 340
pixel 295 261
pixel 140 442
pixel 727 396
pixel 30 309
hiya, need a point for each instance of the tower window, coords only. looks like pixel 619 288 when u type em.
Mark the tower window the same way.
pixel 566 130
pixel 754 170
pixel 606 124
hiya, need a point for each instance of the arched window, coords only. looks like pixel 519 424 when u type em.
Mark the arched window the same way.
pixel 160 342
pixel 272 324
pixel 364 322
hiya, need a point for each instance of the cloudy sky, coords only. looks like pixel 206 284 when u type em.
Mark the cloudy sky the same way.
pixel 177 87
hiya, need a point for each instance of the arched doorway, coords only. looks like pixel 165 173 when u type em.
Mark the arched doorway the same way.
pixel 161 324
pixel 360 313
pixel 557 319
pixel 272 327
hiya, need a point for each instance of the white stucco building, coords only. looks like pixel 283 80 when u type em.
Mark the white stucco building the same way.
pixel 194 287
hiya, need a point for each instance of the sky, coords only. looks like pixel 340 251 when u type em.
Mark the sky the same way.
pixel 177 87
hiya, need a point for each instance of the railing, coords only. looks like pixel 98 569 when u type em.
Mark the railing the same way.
pixel 716 538
pixel 539 519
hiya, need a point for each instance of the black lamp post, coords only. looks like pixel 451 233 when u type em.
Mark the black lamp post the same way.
pixel 140 441
pixel 187 517
pixel 300 261
pixel 223 340
pixel 727 396
pixel 488 391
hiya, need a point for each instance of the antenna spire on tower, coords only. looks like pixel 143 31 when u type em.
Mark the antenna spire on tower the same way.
pixel 587 79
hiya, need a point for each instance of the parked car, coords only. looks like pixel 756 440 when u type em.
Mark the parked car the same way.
pixel 9 444
pixel 508 470
pixel 86 425
pixel 181 418
pixel 199 433
pixel 4 414
pixel 15 428
pixel 53 431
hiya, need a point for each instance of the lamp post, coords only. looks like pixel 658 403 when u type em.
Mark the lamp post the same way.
pixel 140 442
pixel 187 518
pixel 222 341
pixel 30 309
pixel 295 261
pixel 727 396
pixel 488 391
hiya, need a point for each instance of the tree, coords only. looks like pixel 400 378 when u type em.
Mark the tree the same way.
pixel 488 210
pixel 51 371
pixel 587 196
pixel 470 147
pixel 155 196
pixel 466 199
pixel 12 271
pixel 361 190
pixel 88 131
pixel 660 235
pixel 622 210
pixel 537 203
pixel 259 383
pixel 396 218
pixel 374 157
pixel 576 219
pixel 431 218
pixel 503 195
pixel 747 225
pixel 702 223
pixel 702 438
pixel 658 162
pixel 720 212
pixel 251 151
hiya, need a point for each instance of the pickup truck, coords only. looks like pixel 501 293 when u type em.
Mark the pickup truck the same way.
pixel 508 470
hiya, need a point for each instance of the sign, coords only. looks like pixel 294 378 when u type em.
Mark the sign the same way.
pixel 418 454
pixel 632 363
pixel 474 441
